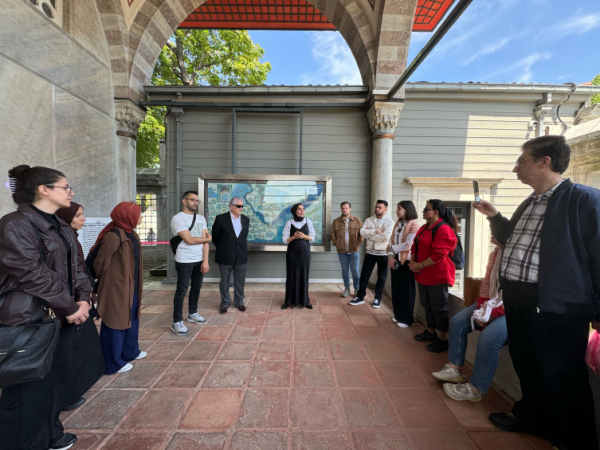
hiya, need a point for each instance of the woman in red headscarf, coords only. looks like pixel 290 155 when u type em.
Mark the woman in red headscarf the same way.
pixel 80 360
pixel 118 268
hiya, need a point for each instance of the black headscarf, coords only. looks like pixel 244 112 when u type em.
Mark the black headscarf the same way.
pixel 293 211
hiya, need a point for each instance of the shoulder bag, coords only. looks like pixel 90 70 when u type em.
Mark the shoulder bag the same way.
pixel 26 352
pixel 176 240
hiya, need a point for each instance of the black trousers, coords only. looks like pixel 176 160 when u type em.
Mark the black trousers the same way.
pixel 548 353
pixel 368 264
pixel 435 301
pixel 29 414
pixel 185 273
pixel 403 293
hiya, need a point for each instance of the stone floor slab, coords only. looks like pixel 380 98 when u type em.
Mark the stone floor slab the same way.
pixel 368 408
pixel 346 351
pixel 198 441
pixel 157 410
pixel 200 351
pixel 211 409
pixel 105 411
pixel 308 351
pixel 270 374
pixel 283 333
pixel 143 375
pixel 165 351
pixel 309 334
pixel 382 441
pixel 227 375
pixel 238 351
pixel 127 441
pixel 398 374
pixel 313 374
pixel 213 334
pixel 321 441
pixel 183 375
pixel 259 440
pixel 316 408
pixel 265 408
pixel 356 374
pixel 274 351
pixel 421 408
pixel 441 440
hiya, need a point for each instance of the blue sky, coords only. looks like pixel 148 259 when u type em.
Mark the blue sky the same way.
pixel 525 41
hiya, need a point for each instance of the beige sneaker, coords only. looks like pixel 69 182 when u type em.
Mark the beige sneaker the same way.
pixel 449 374
pixel 461 391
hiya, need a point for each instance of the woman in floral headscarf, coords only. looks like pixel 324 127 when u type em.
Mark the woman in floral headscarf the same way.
pixel 118 268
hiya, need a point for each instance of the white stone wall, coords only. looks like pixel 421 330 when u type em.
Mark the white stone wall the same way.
pixel 56 101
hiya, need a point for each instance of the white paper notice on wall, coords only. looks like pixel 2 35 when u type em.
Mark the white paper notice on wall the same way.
pixel 90 231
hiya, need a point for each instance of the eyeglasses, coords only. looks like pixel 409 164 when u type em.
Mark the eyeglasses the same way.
pixel 193 200
pixel 427 209
pixel 67 188
pixel 520 161
pixel 238 206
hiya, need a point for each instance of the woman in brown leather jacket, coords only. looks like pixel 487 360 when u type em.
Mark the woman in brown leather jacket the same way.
pixel 29 411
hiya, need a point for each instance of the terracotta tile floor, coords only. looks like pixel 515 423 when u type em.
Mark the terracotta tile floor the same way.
pixel 336 377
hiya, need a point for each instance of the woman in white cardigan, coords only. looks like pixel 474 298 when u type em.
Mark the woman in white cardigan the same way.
pixel 403 279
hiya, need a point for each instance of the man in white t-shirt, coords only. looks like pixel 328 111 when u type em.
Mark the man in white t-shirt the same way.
pixel 191 260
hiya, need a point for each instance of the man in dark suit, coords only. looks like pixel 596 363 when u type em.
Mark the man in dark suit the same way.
pixel 229 234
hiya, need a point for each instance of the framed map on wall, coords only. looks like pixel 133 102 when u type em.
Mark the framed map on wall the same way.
pixel 267 203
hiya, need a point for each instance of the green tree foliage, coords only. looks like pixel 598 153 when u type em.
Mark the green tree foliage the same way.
pixel 199 58
pixel 596 82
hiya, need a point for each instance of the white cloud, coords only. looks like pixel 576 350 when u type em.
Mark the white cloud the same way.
pixel 521 71
pixel 335 62
pixel 580 24
pixel 487 49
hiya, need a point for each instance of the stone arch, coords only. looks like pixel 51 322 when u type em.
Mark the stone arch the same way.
pixel 134 52
pixel 394 29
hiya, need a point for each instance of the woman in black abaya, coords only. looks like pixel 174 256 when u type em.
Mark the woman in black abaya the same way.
pixel 80 360
pixel 297 234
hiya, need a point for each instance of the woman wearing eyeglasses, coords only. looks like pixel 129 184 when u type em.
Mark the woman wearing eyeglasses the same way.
pixel 81 362
pixel 434 271
pixel 38 260
pixel 118 268
pixel 297 234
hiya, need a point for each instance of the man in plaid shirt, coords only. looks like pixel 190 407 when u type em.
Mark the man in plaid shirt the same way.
pixel 550 277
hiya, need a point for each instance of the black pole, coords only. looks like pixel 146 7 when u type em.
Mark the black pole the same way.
pixel 437 36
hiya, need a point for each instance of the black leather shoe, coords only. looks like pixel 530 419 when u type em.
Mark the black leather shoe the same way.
pixel 437 346
pixel 309 306
pixel 285 306
pixel 76 404
pixel 425 336
pixel 242 308
pixel 223 310
pixel 507 422
pixel 67 440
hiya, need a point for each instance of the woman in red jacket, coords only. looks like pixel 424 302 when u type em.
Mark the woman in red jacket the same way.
pixel 434 271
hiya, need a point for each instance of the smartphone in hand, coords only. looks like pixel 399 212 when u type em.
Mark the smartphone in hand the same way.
pixel 476 190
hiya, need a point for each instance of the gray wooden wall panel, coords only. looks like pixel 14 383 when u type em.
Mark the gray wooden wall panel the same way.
pixel 335 142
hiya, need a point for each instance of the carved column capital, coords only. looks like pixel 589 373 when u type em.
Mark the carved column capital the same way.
pixel 128 118
pixel 383 118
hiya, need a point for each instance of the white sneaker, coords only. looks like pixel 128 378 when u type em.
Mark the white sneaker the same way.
pixel 142 355
pixel 461 392
pixel 449 374
pixel 394 320
pixel 401 325
pixel 346 292
pixel 179 328
pixel 196 318
pixel 126 368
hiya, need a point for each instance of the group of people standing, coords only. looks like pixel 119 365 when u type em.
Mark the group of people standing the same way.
pixel 229 235
pixel 41 260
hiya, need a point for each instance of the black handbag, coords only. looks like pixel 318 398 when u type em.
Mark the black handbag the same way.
pixel 27 352
pixel 176 240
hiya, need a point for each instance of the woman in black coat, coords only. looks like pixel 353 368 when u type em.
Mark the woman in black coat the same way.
pixel 80 357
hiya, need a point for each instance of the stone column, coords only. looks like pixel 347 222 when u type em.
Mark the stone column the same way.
pixel 128 117
pixel 383 118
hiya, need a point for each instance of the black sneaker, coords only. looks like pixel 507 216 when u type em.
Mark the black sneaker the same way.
pixel 376 303
pixel 357 301
pixel 67 440
pixel 425 336
pixel 438 346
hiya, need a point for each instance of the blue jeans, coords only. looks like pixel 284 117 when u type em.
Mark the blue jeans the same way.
pixel 491 340
pixel 350 259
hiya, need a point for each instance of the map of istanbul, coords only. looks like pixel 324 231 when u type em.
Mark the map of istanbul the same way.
pixel 268 204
